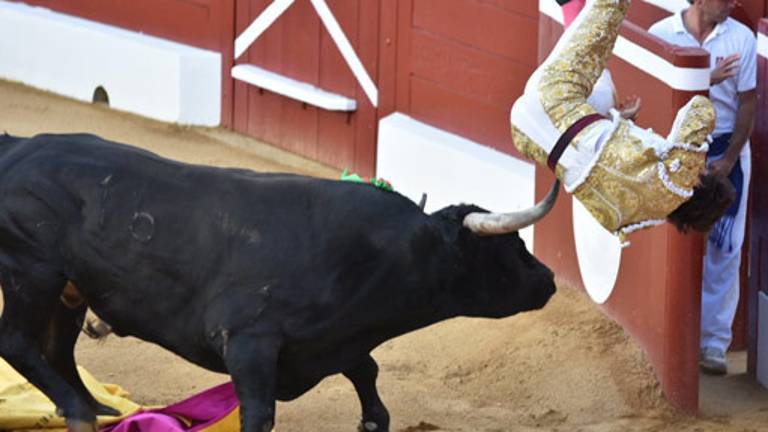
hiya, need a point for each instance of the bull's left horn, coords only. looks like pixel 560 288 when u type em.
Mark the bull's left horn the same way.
pixel 504 223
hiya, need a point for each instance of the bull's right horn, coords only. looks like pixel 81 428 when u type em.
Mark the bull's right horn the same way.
pixel 504 223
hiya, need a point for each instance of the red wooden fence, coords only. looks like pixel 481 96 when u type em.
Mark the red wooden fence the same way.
pixel 758 258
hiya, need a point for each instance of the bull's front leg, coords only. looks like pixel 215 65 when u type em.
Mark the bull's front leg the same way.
pixel 363 376
pixel 252 362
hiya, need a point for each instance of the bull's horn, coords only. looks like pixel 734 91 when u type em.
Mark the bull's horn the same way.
pixel 503 223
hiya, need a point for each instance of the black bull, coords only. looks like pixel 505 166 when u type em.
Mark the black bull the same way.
pixel 279 280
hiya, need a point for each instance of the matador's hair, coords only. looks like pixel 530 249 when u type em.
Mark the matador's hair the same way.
pixel 711 198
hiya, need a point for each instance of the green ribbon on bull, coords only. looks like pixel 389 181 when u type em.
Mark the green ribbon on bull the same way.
pixel 356 178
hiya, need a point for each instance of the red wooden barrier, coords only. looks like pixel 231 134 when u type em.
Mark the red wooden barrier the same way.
pixel 298 46
pixel 758 280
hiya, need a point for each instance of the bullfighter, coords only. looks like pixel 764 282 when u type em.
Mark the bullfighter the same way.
pixel 627 177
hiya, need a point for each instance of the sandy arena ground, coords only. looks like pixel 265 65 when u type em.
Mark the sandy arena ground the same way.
pixel 565 368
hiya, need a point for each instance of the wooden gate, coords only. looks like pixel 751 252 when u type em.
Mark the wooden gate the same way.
pixel 459 66
pixel 305 77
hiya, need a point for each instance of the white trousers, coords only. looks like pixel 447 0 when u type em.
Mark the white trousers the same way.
pixel 720 278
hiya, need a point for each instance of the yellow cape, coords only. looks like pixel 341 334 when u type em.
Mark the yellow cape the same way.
pixel 24 407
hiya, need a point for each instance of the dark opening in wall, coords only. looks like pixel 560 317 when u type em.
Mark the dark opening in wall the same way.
pixel 100 96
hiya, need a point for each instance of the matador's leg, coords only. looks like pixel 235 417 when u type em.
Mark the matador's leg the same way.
pixel 565 80
pixel 556 95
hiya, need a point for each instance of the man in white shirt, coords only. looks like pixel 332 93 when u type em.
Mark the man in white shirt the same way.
pixel 732 46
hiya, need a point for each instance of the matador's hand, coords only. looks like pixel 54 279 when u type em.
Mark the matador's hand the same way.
pixel 629 107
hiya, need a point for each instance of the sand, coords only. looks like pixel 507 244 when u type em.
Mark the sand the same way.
pixel 565 368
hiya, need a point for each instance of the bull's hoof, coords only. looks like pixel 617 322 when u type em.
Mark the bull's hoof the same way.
pixel 104 410
pixel 369 426
pixel 81 426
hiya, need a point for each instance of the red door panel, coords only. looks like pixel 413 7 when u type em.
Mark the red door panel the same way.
pixel 297 45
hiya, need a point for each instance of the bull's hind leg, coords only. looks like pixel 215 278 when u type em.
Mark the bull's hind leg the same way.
pixel 30 302
pixel 363 377
pixel 59 345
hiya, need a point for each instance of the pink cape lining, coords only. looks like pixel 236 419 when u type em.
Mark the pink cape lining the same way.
pixel 571 11
pixel 197 412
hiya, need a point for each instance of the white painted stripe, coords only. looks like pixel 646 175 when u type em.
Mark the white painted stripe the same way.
pixel 673 6
pixel 347 51
pixel 293 89
pixel 259 25
pixel 762 45
pixel 678 78
pixel 551 9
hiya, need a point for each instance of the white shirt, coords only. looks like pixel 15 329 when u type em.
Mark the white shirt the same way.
pixel 728 37
pixel 603 96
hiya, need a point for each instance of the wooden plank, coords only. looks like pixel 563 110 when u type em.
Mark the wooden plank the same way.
pixel 679 370
pixel 241 90
pixel 525 8
pixel 291 88
pixel 263 108
pixel 270 115
pixel 334 73
pixel 388 43
pixel 283 122
pixel 335 139
pixel 298 125
pixel 367 115
pixel 468 71
pixel 490 29
pixel 402 88
pixel 336 132
pixel 448 110
pixel 196 23
pixel 226 36
pixel 301 30
pixel 267 51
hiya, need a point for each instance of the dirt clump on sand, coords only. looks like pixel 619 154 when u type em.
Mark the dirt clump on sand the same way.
pixel 566 368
